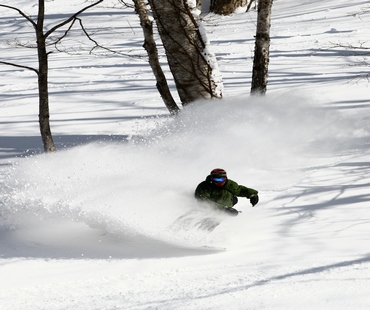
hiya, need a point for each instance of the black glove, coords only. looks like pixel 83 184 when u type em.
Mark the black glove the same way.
pixel 254 200
pixel 235 200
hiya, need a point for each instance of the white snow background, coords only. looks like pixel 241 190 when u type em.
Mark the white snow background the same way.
pixel 92 226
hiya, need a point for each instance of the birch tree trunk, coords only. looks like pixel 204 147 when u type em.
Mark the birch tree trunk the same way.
pixel 44 114
pixel 262 47
pixel 185 50
pixel 151 48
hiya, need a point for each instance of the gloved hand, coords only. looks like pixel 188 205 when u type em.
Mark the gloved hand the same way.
pixel 235 200
pixel 254 200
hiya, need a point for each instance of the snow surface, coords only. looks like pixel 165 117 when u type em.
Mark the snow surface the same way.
pixel 92 226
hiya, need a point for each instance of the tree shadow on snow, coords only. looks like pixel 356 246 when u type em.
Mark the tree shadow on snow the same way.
pixel 13 146
pixel 354 184
pixel 344 186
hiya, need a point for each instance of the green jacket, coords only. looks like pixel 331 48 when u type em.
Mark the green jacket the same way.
pixel 222 197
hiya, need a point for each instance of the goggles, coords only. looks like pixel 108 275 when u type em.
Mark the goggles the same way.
pixel 219 179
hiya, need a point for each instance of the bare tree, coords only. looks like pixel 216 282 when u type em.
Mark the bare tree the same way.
pixel 42 71
pixel 151 48
pixel 262 47
pixel 185 50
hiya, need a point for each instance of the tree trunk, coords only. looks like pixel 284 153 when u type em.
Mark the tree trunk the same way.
pixel 226 7
pixel 151 48
pixel 185 50
pixel 44 115
pixel 262 46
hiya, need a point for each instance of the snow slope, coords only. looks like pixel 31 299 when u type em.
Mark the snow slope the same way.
pixel 93 226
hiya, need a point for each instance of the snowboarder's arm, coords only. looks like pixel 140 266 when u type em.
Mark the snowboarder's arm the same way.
pixel 240 190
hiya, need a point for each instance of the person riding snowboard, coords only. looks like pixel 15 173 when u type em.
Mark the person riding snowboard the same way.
pixel 223 192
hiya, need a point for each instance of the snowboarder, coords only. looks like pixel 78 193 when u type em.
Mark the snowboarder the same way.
pixel 223 193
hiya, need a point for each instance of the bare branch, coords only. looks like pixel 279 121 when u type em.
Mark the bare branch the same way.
pixel 64 35
pixel 17 43
pixel 358 14
pixel 97 45
pixel 126 4
pixel 87 35
pixel 350 46
pixel 357 51
pixel 73 17
pixel 21 13
pixel 19 66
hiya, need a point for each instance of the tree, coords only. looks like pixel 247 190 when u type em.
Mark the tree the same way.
pixel 186 51
pixel 226 7
pixel 151 48
pixel 42 71
pixel 262 46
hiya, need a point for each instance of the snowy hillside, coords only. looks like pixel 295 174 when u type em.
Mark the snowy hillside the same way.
pixel 94 226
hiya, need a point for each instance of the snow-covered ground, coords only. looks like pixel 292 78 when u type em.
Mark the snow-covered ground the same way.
pixel 92 226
